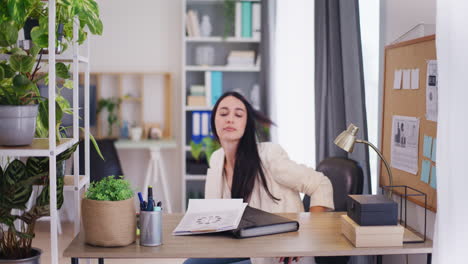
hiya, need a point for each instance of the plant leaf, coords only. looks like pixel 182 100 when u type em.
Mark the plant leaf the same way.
pixel 21 63
pixel 9 72
pixel 68 84
pixel 18 10
pixel 62 70
pixel 40 37
pixel 8 34
pixel 21 82
pixel 2 74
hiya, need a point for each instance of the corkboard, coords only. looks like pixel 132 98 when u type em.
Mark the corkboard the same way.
pixel 408 55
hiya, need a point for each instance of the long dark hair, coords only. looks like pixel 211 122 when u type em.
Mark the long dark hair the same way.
pixel 248 165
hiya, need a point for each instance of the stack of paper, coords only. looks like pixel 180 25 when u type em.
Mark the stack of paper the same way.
pixel 211 215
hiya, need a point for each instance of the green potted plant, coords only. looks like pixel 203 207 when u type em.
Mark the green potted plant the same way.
pixel 16 182
pixel 108 213
pixel 200 155
pixel 19 75
pixel 19 95
pixel 111 105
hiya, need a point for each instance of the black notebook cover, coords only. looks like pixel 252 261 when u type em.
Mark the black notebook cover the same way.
pixel 256 222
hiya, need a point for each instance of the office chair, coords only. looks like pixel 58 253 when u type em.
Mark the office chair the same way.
pixel 100 168
pixel 346 177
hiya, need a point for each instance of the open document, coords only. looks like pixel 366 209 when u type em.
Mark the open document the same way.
pixel 211 215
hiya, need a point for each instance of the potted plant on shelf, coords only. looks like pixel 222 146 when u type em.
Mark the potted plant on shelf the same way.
pixel 111 105
pixel 16 182
pixel 200 155
pixel 108 213
pixel 19 71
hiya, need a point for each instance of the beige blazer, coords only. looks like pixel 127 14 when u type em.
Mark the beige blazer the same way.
pixel 285 180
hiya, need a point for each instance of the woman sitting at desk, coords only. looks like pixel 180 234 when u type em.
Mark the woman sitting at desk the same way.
pixel 260 173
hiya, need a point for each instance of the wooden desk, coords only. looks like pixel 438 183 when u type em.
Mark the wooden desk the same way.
pixel 319 235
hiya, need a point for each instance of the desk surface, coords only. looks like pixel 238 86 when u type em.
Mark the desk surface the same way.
pixel 145 144
pixel 319 235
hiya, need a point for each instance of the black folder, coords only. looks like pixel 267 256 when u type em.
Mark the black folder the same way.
pixel 256 222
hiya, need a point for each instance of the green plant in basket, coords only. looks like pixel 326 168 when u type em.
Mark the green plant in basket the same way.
pixel 110 189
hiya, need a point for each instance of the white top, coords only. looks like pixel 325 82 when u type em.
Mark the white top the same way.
pixel 285 179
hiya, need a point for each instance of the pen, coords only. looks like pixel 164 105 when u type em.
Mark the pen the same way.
pixel 142 202
pixel 150 205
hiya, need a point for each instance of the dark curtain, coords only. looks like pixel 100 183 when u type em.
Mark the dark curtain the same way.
pixel 339 88
pixel 268 17
pixel 339 81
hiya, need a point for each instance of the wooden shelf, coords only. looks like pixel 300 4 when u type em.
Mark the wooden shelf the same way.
pixel 221 39
pixel 69 182
pixel 198 108
pixel 222 68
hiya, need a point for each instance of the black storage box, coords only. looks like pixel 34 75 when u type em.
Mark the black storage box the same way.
pixel 372 210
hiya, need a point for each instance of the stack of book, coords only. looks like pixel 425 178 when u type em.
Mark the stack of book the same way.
pixel 241 58
pixel 197 96
pixel 372 221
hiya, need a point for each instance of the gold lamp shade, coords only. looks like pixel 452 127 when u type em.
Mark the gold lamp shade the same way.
pixel 347 138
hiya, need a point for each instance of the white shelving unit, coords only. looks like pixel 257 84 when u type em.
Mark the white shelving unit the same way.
pixel 48 147
pixel 234 77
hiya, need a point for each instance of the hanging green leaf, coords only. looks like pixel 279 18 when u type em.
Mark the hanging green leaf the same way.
pixel 22 63
pixel 62 70
pixel 8 34
pixel 21 82
pixel 40 37
pixel 18 10
pixel 9 72
pixel 2 74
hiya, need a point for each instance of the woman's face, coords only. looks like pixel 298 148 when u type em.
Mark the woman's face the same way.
pixel 230 119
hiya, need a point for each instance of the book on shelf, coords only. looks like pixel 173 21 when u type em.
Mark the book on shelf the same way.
pixel 238 20
pixel 256 20
pixel 197 90
pixel 208 88
pixel 196 100
pixel 216 86
pixel 244 58
pixel 246 19
pixel 194 23
pixel 188 25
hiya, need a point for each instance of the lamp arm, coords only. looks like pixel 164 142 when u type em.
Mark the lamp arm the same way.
pixel 390 176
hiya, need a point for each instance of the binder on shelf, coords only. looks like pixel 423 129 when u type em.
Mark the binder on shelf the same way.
pixel 208 88
pixel 205 124
pixel 246 19
pixel 216 86
pixel 256 20
pixel 255 222
pixel 196 127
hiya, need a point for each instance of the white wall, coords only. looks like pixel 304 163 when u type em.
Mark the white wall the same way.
pixel 397 17
pixel 144 35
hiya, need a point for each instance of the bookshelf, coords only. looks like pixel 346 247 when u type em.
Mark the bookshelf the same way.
pixel 233 64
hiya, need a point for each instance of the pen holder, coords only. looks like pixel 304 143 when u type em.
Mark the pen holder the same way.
pixel 150 228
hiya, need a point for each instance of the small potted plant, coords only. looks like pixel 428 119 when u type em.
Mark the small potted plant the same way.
pixel 112 106
pixel 108 213
pixel 16 182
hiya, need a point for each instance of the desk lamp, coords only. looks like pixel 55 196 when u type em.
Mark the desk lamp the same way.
pixel 346 141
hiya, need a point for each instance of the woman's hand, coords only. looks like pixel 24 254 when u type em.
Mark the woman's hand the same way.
pixel 289 260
